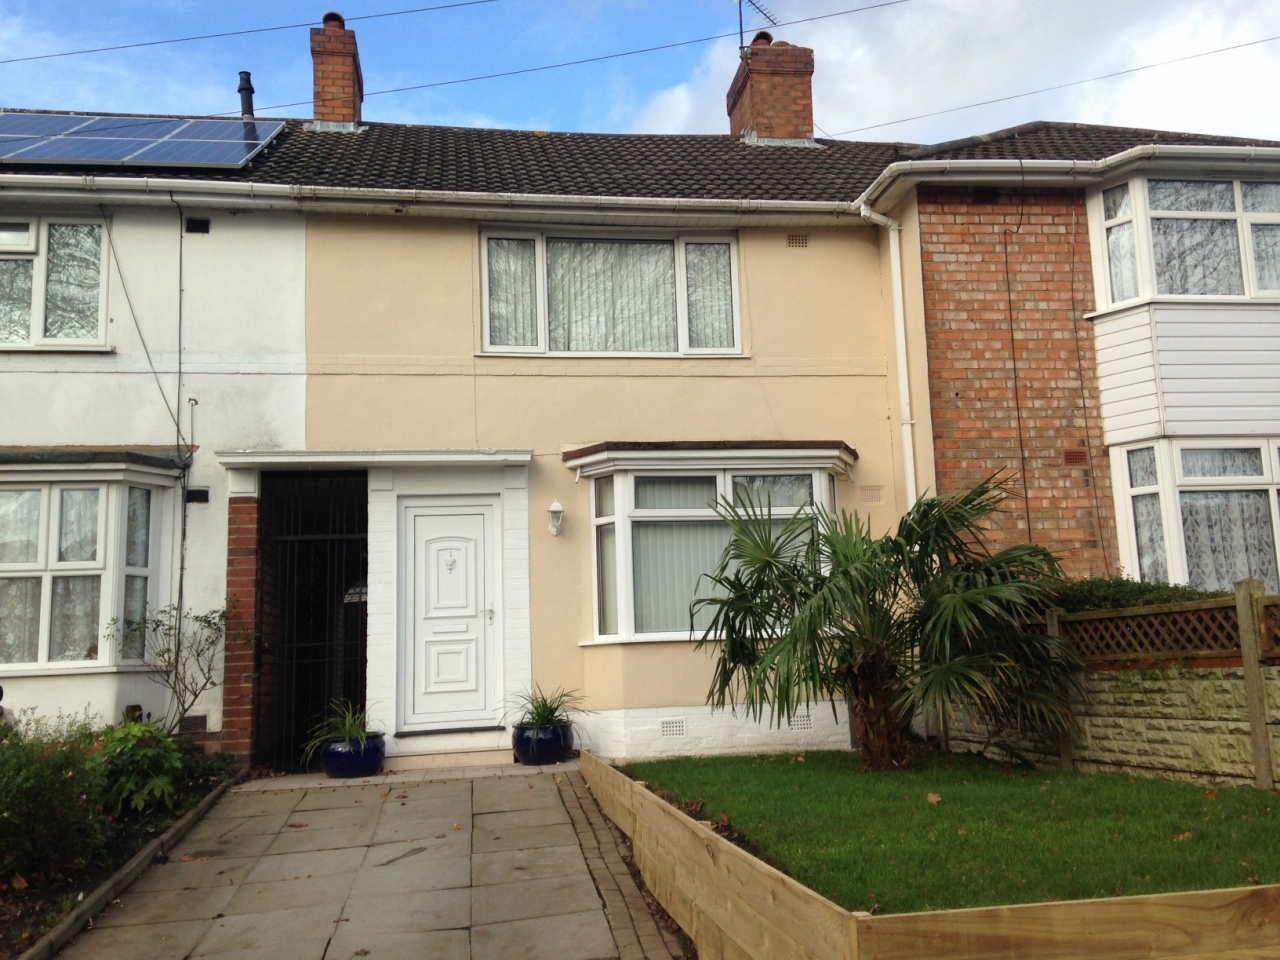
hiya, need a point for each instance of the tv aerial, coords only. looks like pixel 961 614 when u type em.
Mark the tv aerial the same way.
pixel 758 8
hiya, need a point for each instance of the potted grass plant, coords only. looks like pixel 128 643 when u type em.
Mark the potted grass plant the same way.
pixel 544 732
pixel 347 745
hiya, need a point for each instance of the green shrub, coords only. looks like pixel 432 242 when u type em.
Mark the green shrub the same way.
pixel 1076 596
pixel 139 762
pixel 50 819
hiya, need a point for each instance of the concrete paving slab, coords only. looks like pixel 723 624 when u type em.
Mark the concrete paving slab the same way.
pixel 417 911
pixel 492 839
pixel 288 894
pixel 439 945
pixel 432 832
pixel 432 790
pixel 364 815
pixel 514 793
pixel 534 817
pixel 152 941
pixel 310 838
pixel 392 875
pixel 509 866
pixel 231 848
pixel 575 936
pixel 553 896
pixel 459 808
pixel 286 932
pixel 266 825
pixel 195 875
pixel 253 805
pixel 318 863
pixel 165 906
pixel 330 798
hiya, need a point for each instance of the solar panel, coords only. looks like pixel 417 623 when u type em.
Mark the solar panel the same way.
pixel 128 141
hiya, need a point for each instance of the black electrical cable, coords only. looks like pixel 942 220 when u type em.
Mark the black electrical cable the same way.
pixel 237 33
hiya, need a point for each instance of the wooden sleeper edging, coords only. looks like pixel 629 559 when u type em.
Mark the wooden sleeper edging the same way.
pixel 109 889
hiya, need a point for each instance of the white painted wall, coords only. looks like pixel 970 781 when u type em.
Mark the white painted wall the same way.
pixel 243 350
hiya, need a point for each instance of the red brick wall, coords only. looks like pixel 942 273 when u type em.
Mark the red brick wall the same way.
pixel 975 397
pixel 339 85
pixel 242 628
pixel 772 93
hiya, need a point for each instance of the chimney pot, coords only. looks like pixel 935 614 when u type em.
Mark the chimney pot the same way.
pixel 338 90
pixel 771 96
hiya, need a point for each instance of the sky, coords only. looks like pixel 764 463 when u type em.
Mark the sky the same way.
pixel 898 61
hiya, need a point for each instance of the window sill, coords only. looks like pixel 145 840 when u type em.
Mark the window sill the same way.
pixel 58 348
pixel 639 638
pixel 76 668
pixel 585 355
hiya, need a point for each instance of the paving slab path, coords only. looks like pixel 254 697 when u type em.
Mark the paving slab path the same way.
pixel 491 864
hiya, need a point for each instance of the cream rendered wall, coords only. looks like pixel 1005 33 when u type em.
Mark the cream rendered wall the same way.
pixel 243 348
pixel 394 362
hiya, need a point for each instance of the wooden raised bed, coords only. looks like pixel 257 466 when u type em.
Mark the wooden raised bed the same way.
pixel 735 907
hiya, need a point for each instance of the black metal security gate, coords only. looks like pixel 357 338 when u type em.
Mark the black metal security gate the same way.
pixel 315 562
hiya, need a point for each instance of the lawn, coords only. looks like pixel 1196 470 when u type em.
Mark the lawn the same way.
pixel 964 832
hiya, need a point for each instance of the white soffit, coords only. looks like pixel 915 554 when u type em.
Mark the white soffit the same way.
pixel 355 459
pixel 601 462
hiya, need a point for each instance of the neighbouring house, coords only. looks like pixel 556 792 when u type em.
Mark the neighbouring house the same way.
pixel 440 413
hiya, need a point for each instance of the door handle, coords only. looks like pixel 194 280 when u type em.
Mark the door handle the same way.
pixel 489 611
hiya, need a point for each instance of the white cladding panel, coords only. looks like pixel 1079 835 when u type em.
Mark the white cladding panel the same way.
pixel 1219 369
pixel 1127 380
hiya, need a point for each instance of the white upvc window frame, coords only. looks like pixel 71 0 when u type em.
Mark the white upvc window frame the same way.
pixel 113 486
pixel 1142 215
pixel 540 238
pixel 819 465
pixel 37 251
pixel 1172 481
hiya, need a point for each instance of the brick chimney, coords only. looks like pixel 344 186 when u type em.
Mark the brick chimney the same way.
pixel 339 85
pixel 772 93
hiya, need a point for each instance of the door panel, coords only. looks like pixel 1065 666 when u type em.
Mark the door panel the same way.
pixel 449 661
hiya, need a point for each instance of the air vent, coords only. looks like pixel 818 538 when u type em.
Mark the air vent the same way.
pixel 1075 458
pixel 193 724
pixel 673 728
pixel 197 224
pixel 802 721
pixel 797 240
pixel 987 195
pixel 197 495
pixel 872 494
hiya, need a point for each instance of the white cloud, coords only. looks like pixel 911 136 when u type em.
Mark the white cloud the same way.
pixel 933 54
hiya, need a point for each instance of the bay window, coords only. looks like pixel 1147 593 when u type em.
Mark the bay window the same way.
pixel 657 533
pixel 75 556
pixel 564 294
pixel 1202 512
pixel 52 292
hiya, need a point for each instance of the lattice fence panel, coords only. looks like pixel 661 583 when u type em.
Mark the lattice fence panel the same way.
pixel 1212 632
pixel 1271 630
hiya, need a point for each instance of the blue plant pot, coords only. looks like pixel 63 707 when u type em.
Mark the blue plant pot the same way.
pixel 344 759
pixel 538 745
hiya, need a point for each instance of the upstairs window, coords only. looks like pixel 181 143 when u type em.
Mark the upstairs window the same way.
pixel 1191 238
pixel 671 296
pixel 51 281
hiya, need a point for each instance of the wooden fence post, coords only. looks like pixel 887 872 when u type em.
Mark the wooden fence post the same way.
pixel 1249 611
pixel 1066 742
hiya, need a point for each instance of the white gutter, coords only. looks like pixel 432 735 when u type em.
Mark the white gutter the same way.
pixel 1053 171
pixel 318 459
pixel 900 343
pixel 299 196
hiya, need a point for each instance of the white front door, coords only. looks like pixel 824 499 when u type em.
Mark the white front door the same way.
pixel 448 652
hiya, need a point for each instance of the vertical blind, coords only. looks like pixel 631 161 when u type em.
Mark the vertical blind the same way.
pixel 669 559
pixel 707 267
pixel 513 314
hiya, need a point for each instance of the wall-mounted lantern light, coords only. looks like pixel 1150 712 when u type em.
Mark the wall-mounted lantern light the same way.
pixel 556 513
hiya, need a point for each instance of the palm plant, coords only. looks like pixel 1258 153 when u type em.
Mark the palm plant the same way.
pixel 924 621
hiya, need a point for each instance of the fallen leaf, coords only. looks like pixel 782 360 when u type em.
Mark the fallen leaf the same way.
pixel 1045 788
pixel 1182 836
pixel 362 953
pixel 401 796
pixel 963 832
pixel 19 883
pixel 457 826
pixel 296 826
pixel 531 786
pixel 439 836
pixel 934 798
pixel 384 794
pixel 1211 795
pixel 1256 878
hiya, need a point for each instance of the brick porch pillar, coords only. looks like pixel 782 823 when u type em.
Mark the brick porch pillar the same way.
pixel 240 677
